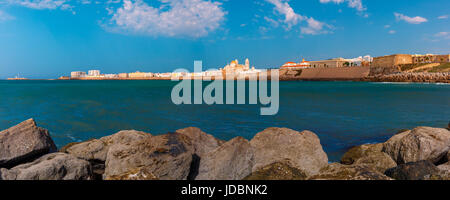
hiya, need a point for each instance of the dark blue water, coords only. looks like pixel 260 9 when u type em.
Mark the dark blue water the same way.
pixel 343 114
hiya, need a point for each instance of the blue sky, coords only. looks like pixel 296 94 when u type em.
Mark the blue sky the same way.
pixel 50 38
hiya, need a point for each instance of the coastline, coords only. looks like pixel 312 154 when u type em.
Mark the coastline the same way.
pixel 439 77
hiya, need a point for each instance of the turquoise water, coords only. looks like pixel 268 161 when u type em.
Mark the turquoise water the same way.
pixel 342 114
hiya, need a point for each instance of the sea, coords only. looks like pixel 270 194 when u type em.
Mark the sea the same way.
pixel 342 114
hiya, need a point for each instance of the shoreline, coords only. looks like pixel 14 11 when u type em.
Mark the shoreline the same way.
pixel 285 80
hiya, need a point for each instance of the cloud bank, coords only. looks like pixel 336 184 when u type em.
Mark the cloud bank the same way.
pixel 291 19
pixel 175 18
pixel 356 4
pixel 411 20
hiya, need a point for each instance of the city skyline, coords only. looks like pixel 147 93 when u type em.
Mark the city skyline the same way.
pixel 47 39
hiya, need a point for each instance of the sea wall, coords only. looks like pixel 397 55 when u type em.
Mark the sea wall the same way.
pixel 376 71
pixel 332 73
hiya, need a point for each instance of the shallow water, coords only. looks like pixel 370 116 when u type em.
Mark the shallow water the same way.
pixel 342 114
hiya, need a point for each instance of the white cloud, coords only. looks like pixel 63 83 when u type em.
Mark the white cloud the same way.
pixel 411 20
pixel 43 4
pixel 315 27
pixel 443 35
pixel 443 17
pixel 5 16
pixel 356 4
pixel 392 32
pixel 291 19
pixel 175 18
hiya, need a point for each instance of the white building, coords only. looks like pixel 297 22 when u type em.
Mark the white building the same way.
pixel 94 73
pixel 111 76
pixel 77 74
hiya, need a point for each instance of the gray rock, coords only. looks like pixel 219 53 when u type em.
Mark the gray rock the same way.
pixel 369 154
pixel 231 161
pixel 167 157
pixel 421 170
pixel 337 171
pixel 24 142
pixel 355 153
pixel 378 160
pixel 277 171
pixel 55 166
pixel 140 173
pixel 301 150
pixel 203 143
pixel 445 167
pixel 97 149
pixel 422 143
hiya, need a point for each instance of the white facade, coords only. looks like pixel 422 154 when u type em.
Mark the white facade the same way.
pixel 77 74
pixel 94 73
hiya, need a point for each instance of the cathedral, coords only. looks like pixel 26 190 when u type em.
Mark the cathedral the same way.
pixel 234 66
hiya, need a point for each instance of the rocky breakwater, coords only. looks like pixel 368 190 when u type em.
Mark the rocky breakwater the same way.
pixel 28 153
pixel 442 77
pixel 191 154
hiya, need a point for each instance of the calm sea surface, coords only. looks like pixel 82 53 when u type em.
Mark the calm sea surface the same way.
pixel 342 114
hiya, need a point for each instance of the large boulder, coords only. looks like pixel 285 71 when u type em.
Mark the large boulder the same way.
pixel 422 143
pixel 54 166
pixel 378 160
pixel 140 173
pixel 167 157
pixel 445 167
pixel 421 170
pixel 357 152
pixel 337 171
pixel 24 142
pixel 369 154
pixel 203 143
pixel 277 171
pixel 301 150
pixel 232 161
pixel 97 149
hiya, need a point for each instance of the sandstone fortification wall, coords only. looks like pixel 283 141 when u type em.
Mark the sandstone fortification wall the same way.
pixel 335 73
pixel 392 60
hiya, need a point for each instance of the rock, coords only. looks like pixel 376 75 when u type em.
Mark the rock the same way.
pixel 378 160
pixel 167 157
pixel 369 154
pixel 93 149
pixel 232 161
pixel 358 152
pixel 55 166
pixel 277 171
pixel 422 143
pixel 422 170
pixel 301 150
pixel 203 143
pixel 445 167
pixel 337 171
pixel 141 173
pixel 24 142
pixel 97 149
